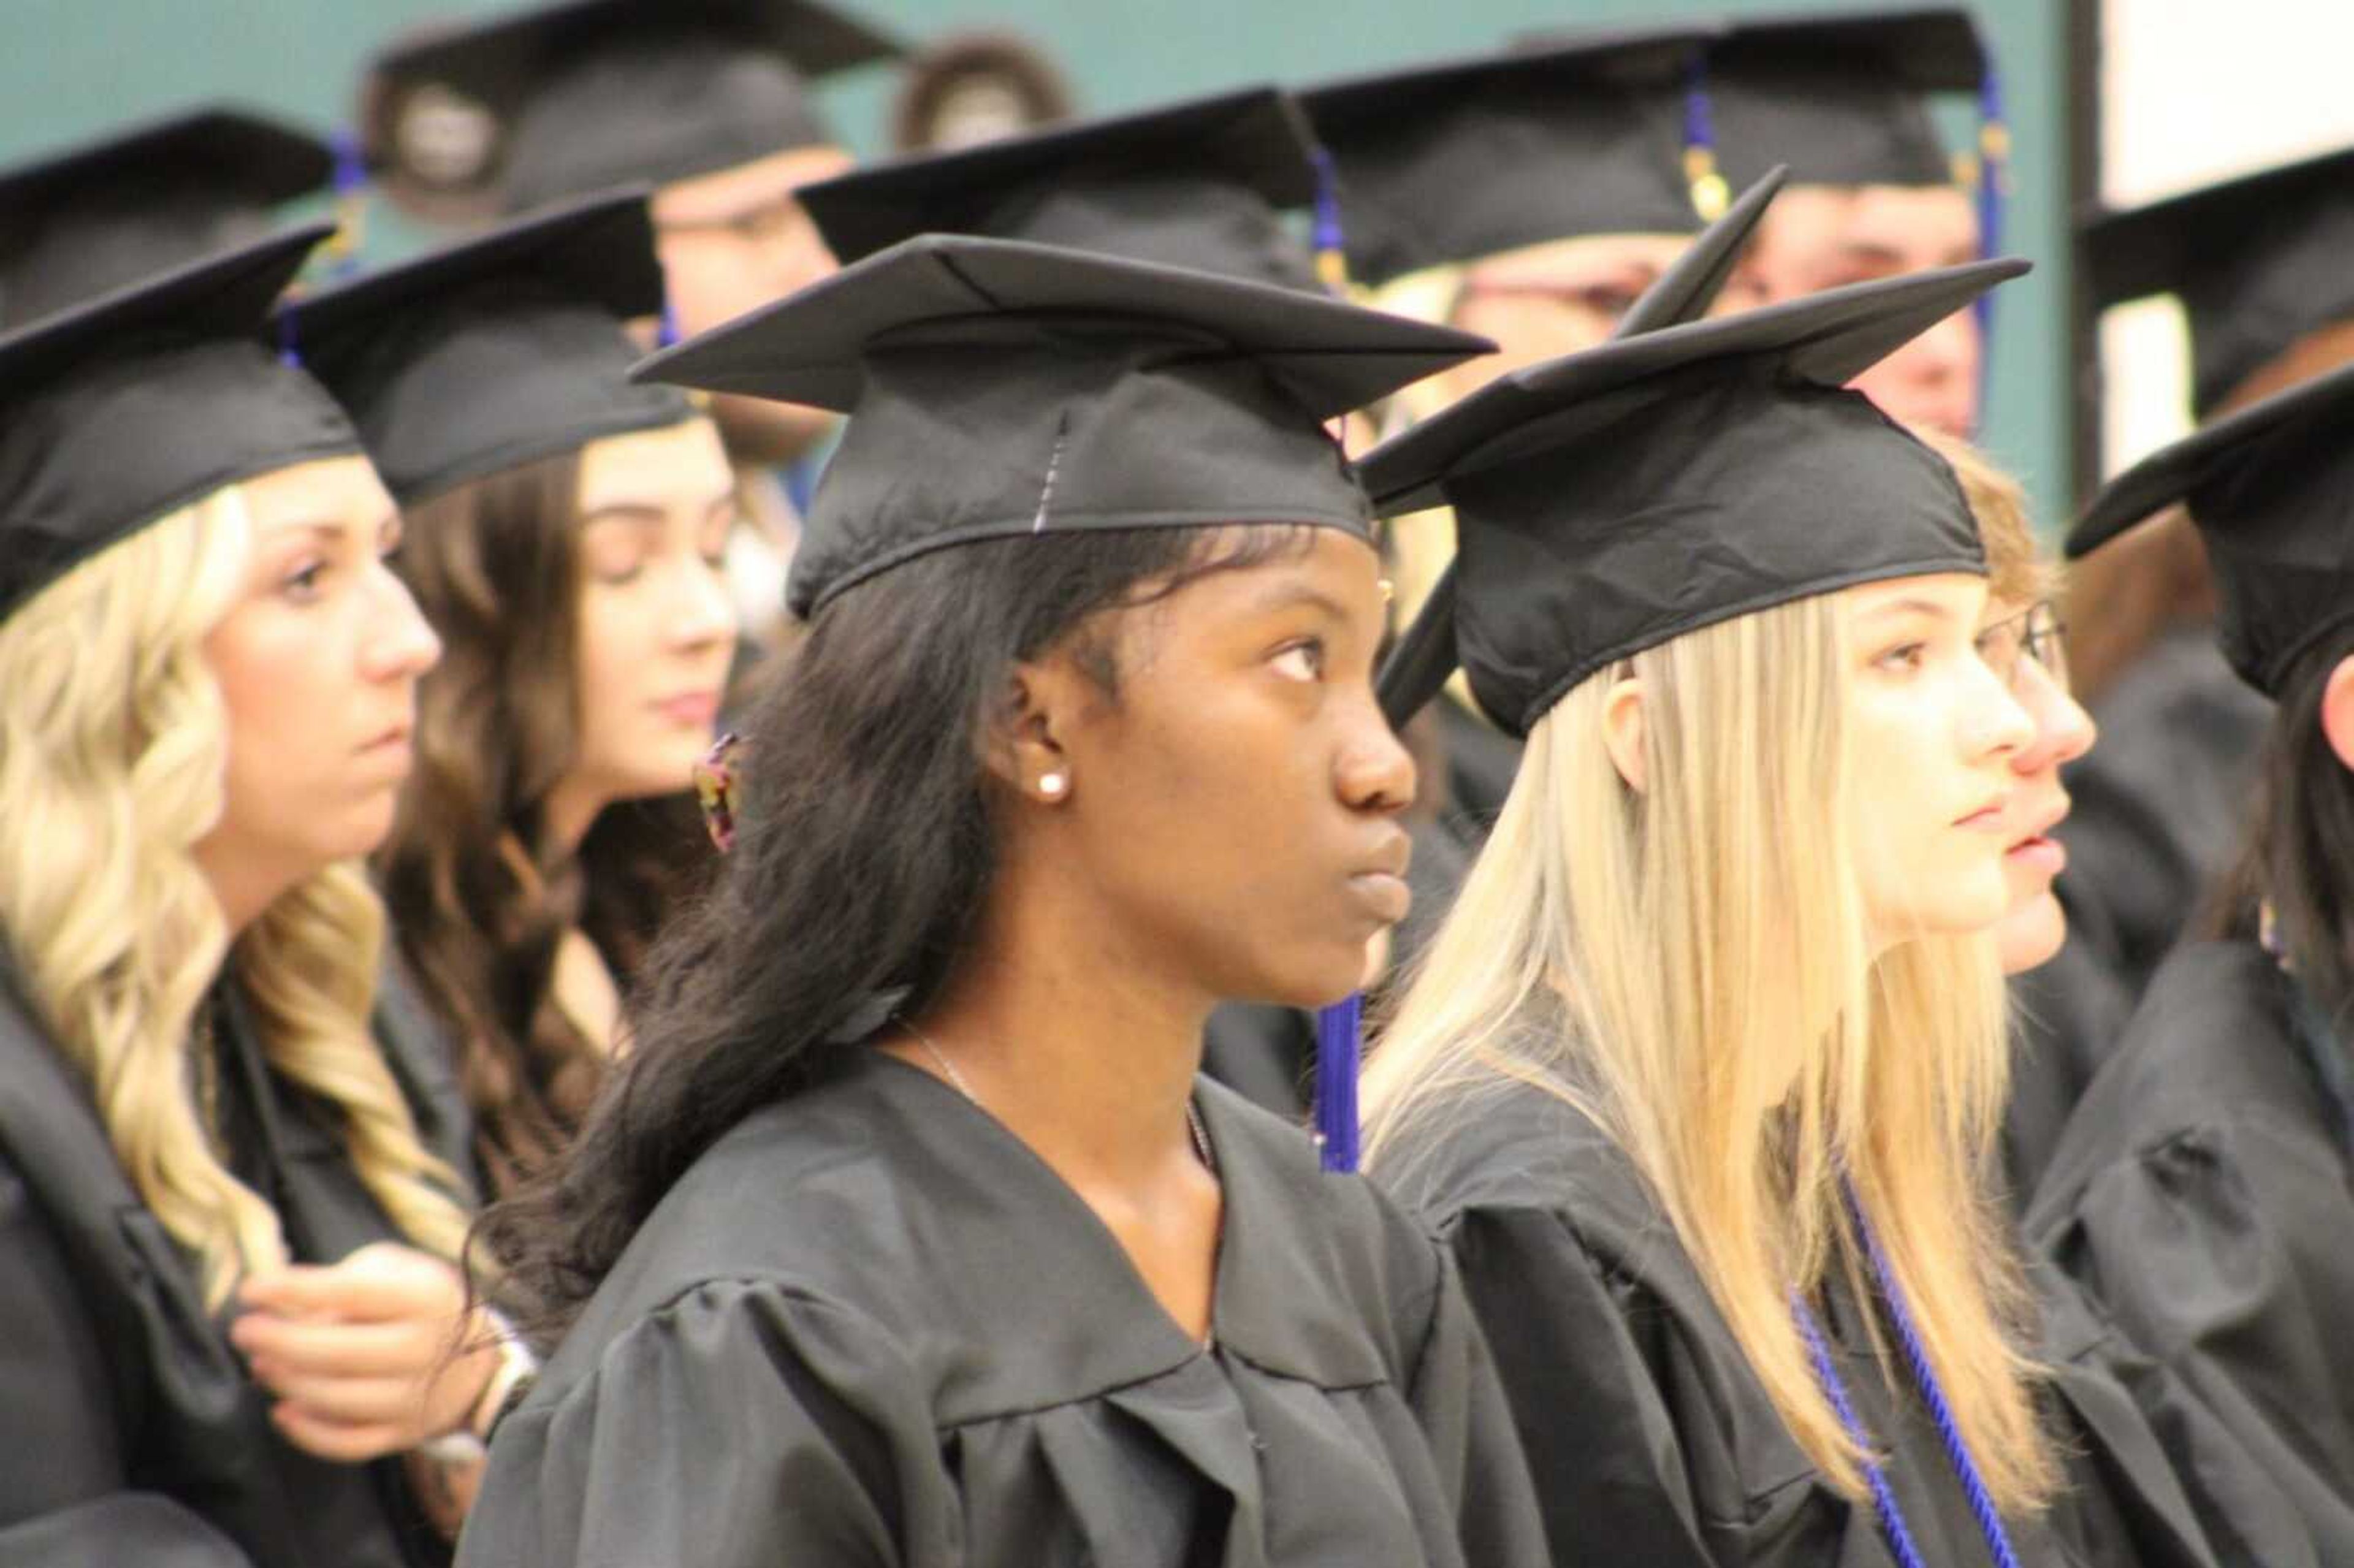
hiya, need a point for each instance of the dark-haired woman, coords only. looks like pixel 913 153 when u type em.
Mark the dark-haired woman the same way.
pixel 2205 1189
pixel 908 1233
pixel 565 531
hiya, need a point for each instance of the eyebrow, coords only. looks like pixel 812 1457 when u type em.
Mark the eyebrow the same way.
pixel 1911 606
pixel 1291 595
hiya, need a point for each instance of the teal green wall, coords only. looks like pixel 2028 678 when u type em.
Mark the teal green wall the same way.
pixel 69 67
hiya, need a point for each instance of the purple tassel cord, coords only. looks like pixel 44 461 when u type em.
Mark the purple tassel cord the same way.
pixel 1338 1028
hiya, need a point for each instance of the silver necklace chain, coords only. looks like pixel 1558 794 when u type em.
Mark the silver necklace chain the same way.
pixel 964 1087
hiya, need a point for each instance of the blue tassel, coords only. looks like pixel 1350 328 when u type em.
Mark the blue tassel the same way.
pixel 1710 192
pixel 1327 236
pixel 1994 179
pixel 290 352
pixel 351 204
pixel 666 335
pixel 1338 1028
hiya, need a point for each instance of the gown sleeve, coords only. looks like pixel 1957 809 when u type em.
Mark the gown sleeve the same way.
pixel 1600 1440
pixel 744 1425
pixel 65 1497
pixel 2222 1252
pixel 1459 1400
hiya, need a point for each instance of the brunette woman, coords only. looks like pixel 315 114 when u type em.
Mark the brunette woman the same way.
pixel 565 531
pixel 2205 1188
pixel 908 1233
pixel 232 1329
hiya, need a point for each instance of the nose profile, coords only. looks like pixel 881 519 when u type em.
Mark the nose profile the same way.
pixel 1376 772
pixel 401 643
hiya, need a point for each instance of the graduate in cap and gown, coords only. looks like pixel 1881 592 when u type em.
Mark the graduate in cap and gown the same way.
pixel 564 536
pixel 1845 101
pixel 1205 183
pixel 2205 1188
pixel 85 221
pixel 713 103
pixel 908 1233
pixel 2257 264
pixel 1699 1077
pixel 232 1330
pixel 1529 195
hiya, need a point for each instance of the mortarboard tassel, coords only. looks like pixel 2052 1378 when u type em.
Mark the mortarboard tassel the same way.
pixel 1710 195
pixel 1337 1046
pixel 342 249
pixel 290 351
pixel 1329 239
pixel 1993 171
pixel 667 333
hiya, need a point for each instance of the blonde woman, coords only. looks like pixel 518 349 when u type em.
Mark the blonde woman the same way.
pixel 1700 1076
pixel 227 1304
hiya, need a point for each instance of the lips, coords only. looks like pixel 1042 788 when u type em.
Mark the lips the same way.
pixel 690 707
pixel 395 738
pixel 1380 883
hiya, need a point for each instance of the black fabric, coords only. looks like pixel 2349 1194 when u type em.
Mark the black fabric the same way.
pixel 144 1440
pixel 2258 262
pixel 94 218
pixel 122 409
pixel 870 1326
pixel 2067 1014
pixel 2158 804
pixel 1609 501
pixel 2203 1195
pixel 495 351
pixel 2270 488
pixel 1843 98
pixel 999 388
pixel 1467 158
pixel 1649 1439
pixel 1202 184
pixel 597 93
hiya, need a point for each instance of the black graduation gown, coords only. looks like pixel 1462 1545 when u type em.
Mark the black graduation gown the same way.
pixel 869 1326
pixel 2158 804
pixel 1649 1439
pixel 2066 1016
pixel 2204 1196
pixel 135 1435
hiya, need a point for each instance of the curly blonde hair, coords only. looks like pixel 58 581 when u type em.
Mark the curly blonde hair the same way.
pixel 113 745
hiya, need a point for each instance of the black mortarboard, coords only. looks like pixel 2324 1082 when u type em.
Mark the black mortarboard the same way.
pixel 1609 501
pixel 85 221
pixel 2271 489
pixel 1201 184
pixel 1449 163
pixel 2258 262
pixel 1842 97
pixel 999 388
pixel 599 93
pixel 120 410
pixel 496 351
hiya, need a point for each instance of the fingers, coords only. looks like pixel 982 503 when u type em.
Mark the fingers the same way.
pixel 394 1403
pixel 360 1349
pixel 344 1443
pixel 378 1283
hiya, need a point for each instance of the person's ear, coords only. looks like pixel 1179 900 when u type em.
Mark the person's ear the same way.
pixel 1623 720
pixel 2337 712
pixel 1023 749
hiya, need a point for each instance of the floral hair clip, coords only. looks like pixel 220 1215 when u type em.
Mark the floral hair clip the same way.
pixel 715 786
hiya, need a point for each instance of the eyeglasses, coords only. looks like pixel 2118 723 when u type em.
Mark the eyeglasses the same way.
pixel 2035 632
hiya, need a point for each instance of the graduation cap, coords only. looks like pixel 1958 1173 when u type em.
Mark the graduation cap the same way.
pixel 2258 262
pixel 1842 97
pixel 1451 161
pixel 1610 501
pixel 2271 489
pixel 120 410
pixel 998 388
pixel 599 93
pixel 84 220
pixel 1201 184
pixel 495 352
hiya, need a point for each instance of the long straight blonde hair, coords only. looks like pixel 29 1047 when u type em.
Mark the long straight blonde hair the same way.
pixel 1702 944
pixel 114 744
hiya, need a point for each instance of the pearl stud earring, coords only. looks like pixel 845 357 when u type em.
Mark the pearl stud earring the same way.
pixel 1052 785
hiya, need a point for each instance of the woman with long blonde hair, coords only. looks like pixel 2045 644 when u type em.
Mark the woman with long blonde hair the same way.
pixel 232 1329
pixel 1702 1074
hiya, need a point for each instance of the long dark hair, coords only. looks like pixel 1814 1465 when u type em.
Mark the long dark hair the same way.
pixel 865 847
pixel 479 892
pixel 2297 847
